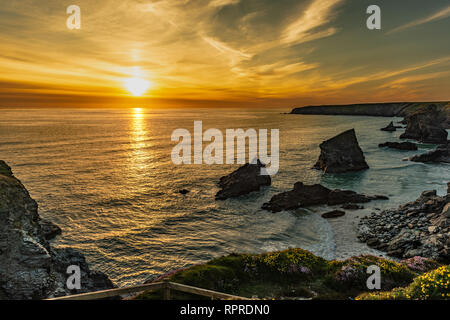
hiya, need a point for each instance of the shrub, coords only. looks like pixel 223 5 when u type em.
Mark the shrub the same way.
pixel 352 273
pixel 292 262
pixel 428 286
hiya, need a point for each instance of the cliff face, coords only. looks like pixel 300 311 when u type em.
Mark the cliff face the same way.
pixel 401 109
pixel 29 267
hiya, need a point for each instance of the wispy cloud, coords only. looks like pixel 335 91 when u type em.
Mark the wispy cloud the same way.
pixel 221 3
pixel 210 49
pixel 305 28
pixel 234 55
pixel 441 14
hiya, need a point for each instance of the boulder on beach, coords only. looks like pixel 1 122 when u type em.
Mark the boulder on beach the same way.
pixel 307 195
pixel 341 154
pixel 427 125
pixel 440 154
pixel 244 180
pixel 418 228
pixel 390 127
pixel 333 214
pixel 399 145
pixel 30 268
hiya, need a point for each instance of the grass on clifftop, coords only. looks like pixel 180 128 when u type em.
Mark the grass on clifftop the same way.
pixel 294 273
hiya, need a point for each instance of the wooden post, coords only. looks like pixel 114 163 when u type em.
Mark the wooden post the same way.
pixel 166 290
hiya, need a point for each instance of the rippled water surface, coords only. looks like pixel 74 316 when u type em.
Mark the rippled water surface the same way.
pixel 106 177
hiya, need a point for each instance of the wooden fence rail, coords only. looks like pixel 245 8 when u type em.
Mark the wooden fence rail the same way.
pixel 165 285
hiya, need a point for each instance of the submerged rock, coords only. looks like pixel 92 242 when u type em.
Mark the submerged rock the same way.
pixel 399 145
pixel 390 127
pixel 244 180
pixel 440 154
pixel 307 195
pixel 341 154
pixel 352 206
pixel 333 214
pixel 30 268
pixel 427 125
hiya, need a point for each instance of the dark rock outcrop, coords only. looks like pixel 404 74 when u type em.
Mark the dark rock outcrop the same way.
pixel 364 109
pixel 426 126
pixel 341 154
pixel 333 214
pixel 399 145
pixel 401 109
pixel 49 229
pixel 440 154
pixel 30 268
pixel 244 180
pixel 419 228
pixel 183 191
pixel 352 206
pixel 390 127
pixel 307 195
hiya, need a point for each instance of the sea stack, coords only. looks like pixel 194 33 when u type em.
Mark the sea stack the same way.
pixel 440 154
pixel 30 268
pixel 244 180
pixel 341 154
pixel 426 126
pixel 390 127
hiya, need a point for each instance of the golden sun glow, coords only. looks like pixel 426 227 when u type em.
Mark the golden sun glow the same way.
pixel 137 86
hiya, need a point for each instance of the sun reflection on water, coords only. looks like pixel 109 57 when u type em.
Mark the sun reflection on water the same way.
pixel 138 136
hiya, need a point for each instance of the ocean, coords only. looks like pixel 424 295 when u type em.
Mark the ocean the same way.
pixel 106 177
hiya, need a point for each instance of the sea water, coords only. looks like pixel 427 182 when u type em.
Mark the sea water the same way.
pixel 105 176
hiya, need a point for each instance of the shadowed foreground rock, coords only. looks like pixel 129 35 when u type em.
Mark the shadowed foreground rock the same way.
pixel 307 195
pixel 49 229
pixel 440 154
pixel 426 126
pixel 341 154
pixel 399 145
pixel 244 180
pixel 419 228
pixel 29 267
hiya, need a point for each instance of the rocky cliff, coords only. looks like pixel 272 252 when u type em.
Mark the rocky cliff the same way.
pixel 400 109
pixel 30 268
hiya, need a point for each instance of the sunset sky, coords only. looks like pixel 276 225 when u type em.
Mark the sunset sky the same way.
pixel 268 53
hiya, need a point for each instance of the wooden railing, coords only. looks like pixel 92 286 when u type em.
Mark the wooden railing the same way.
pixel 165 285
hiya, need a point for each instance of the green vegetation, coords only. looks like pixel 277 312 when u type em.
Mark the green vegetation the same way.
pixel 428 286
pixel 297 273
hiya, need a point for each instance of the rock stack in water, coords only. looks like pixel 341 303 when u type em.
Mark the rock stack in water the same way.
pixel 244 180
pixel 29 267
pixel 427 125
pixel 341 154
pixel 440 154
pixel 308 195
pixel 390 127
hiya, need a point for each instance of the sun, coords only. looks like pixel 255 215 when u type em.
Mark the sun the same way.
pixel 137 86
